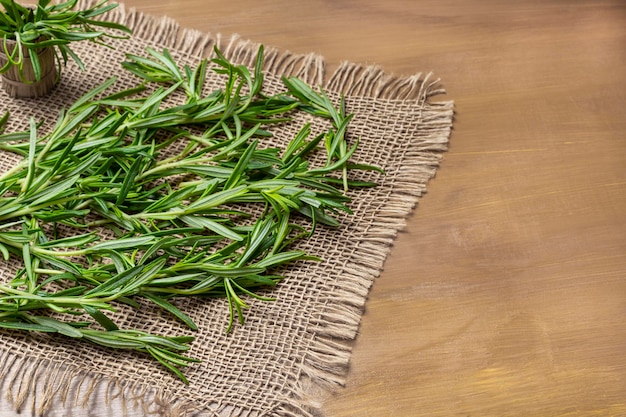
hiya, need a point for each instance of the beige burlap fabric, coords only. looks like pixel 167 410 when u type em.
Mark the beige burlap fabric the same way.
pixel 292 350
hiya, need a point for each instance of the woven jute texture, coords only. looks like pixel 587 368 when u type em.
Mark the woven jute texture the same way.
pixel 291 351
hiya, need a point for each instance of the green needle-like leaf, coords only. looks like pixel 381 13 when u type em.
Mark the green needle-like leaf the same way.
pixel 32 149
pixel 172 309
pixel 59 326
pixel 101 318
pixel 16 325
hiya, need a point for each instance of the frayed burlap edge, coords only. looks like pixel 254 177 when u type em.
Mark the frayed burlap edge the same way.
pixel 36 383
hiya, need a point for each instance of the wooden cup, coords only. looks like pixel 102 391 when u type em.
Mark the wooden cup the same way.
pixel 24 83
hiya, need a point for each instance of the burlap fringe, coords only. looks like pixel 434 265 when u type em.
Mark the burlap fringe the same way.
pixel 35 384
pixel 327 363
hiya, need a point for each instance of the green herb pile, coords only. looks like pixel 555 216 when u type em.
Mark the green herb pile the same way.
pixel 191 200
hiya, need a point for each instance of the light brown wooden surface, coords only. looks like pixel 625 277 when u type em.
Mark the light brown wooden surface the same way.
pixel 506 295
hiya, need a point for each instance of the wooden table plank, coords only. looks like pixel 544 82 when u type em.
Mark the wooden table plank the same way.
pixel 506 294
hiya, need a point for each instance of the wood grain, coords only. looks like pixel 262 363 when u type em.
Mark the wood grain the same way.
pixel 506 295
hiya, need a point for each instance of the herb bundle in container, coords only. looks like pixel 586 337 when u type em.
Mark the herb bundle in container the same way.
pixel 36 41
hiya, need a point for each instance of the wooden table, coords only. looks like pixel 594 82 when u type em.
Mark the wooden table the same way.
pixel 506 295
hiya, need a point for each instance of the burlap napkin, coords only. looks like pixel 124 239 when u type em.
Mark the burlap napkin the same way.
pixel 289 351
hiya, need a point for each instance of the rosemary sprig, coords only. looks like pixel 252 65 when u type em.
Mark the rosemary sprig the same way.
pixel 166 350
pixel 213 218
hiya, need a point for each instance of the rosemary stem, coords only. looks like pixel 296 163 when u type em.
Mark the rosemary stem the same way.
pixel 29 296
pixel 14 170
pixel 48 271
pixel 32 209
pixel 55 253
pixel 169 165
